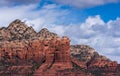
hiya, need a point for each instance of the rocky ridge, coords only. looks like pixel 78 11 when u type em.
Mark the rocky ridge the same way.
pixel 18 30
pixel 24 52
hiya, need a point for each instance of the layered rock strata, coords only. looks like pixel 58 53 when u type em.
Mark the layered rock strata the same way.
pixel 24 52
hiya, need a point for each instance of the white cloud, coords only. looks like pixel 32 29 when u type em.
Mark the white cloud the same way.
pixel 48 17
pixel 38 18
pixel 86 3
pixel 104 37
pixel 19 2
pixel 8 14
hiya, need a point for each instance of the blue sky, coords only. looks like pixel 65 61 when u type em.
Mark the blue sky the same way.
pixel 107 11
pixel 91 22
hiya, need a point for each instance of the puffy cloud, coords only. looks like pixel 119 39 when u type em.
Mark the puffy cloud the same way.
pixel 113 27
pixel 104 37
pixel 86 3
pixel 48 17
pixel 9 14
pixel 37 18
pixel 14 2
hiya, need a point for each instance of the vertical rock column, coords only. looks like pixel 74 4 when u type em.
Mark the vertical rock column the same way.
pixel 62 58
pixel 48 51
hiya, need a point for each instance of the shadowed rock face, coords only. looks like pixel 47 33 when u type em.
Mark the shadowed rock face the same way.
pixel 24 52
pixel 97 64
pixel 86 54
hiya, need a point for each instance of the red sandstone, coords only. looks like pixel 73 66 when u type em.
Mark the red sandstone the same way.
pixel 23 52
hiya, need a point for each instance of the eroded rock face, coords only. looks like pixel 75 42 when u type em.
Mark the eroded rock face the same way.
pixel 57 58
pixel 18 30
pixel 97 64
pixel 37 57
pixel 4 34
pixel 44 33
pixel 86 54
pixel 24 52
pixel 104 68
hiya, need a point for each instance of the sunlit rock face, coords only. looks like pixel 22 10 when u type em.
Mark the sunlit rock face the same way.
pixel 24 52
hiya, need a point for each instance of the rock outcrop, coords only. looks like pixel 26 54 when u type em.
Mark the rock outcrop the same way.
pixel 24 52
pixel 97 64
pixel 19 30
pixel 4 34
pixel 44 33
pixel 84 53
pixel 104 68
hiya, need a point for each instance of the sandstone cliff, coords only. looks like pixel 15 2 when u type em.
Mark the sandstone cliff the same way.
pixel 24 52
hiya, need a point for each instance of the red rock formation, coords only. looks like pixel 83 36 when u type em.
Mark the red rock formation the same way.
pixel 19 53
pixel 98 65
pixel 79 63
pixel 57 54
pixel 23 52
pixel 54 52
pixel 104 68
